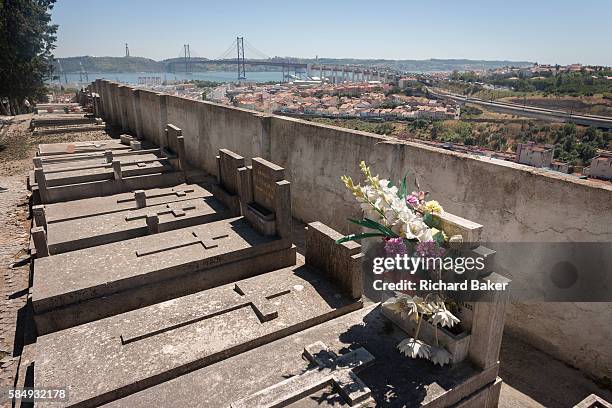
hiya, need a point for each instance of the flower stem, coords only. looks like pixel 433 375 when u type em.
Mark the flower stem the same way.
pixel 436 333
pixel 416 335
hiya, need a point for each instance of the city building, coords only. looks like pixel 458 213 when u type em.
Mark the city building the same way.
pixel 601 167
pixel 532 155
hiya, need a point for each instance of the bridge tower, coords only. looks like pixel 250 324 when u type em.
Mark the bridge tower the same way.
pixel 241 64
pixel 61 72
pixel 83 72
pixel 187 58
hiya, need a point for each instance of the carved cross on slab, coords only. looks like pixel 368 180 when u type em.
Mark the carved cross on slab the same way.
pixel 207 243
pixel 258 300
pixel 179 192
pixel 263 308
pixel 176 209
pixel 331 370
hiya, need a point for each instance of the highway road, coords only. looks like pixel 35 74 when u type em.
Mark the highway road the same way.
pixel 604 122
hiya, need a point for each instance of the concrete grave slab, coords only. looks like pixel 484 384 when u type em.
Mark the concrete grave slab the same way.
pixel 106 187
pixel 393 380
pixel 88 207
pixel 98 169
pixel 79 233
pixel 63 120
pixel 227 186
pixel 112 358
pixel 50 149
pixel 41 131
pixel 81 160
pixel 80 286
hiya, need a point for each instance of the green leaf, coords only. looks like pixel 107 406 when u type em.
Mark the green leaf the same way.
pixel 439 238
pixel 368 223
pixel 403 190
pixel 430 220
pixel 354 237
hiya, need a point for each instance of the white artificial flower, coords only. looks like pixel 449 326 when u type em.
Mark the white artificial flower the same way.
pixel 414 348
pixel 441 316
pixel 416 228
pixel 404 305
pixel 426 234
pixel 439 355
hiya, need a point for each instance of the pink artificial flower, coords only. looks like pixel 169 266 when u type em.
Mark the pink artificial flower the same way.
pixel 412 200
pixel 395 246
pixel 429 249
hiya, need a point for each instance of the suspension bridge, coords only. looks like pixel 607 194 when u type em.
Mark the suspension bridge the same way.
pixel 241 53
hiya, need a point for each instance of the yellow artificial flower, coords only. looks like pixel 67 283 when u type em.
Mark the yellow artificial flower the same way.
pixel 433 207
pixel 434 231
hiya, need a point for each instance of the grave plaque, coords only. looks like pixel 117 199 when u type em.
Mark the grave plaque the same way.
pixel 176 141
pixel 265 175
pixel 93 283
pixel 112 358
pixel 226 189
pixel 265 198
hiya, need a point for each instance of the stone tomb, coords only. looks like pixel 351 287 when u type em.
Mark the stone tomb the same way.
pixel 227 186
pixel 56 172
pixel 96 221
pixel 368 370
pixel 112 358
pixel 62 120
pixel 84 177
pixel 93 283
pixel 482 317
pixel 80 286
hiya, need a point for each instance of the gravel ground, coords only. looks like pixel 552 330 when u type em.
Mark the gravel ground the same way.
pixel 17 147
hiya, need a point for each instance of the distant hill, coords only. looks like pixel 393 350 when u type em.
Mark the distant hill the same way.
pixel 111 64
pixel 139 64
pixel 429 65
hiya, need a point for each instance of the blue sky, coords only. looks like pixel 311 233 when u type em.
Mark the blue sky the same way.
pixel 544 31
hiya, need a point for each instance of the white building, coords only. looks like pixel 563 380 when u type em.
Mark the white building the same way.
pixel 536 156
pixel 601 167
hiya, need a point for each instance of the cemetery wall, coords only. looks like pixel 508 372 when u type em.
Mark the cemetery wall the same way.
pixel 150 115
pixel 515 203
pixel 131 113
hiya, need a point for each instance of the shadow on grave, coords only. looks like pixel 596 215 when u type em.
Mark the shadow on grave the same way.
pixel 395 380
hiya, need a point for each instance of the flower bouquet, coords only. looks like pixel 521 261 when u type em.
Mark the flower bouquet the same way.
pixel 406 223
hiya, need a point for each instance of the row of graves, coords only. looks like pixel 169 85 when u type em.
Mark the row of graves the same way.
pixel 55 118
pixel 153 290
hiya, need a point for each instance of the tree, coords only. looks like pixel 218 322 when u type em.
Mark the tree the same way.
pixel 27 38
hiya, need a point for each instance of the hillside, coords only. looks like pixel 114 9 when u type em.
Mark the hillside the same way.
pixel 138 64
pixel 111 64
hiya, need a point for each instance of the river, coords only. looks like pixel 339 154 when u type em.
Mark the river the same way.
pixel 132 77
